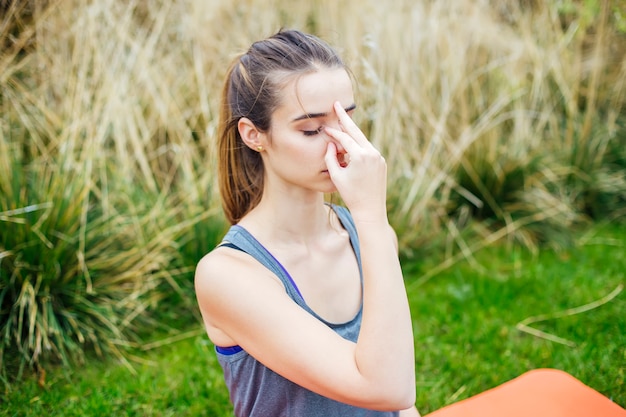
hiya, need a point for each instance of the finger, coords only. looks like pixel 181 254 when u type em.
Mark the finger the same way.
pixel 344 139
pixel 332 164
pixel 348 124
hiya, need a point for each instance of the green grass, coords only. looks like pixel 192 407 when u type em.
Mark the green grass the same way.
pixel 180 379
pixel 465 331
pixel 465 320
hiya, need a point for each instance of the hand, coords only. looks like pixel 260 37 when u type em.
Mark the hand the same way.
pixel 362 183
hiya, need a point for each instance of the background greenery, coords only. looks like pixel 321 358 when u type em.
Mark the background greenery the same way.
pixel 503 123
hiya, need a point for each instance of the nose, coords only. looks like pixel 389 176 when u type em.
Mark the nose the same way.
pixel 336 125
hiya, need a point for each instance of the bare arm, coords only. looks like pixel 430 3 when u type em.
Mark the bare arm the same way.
pixel 386 315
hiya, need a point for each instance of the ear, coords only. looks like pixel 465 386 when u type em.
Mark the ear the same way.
pixel 250 135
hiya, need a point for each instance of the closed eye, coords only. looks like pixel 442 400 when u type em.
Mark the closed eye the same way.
pixel 312 132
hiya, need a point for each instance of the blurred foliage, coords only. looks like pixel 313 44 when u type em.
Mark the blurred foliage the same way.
pixel 501 121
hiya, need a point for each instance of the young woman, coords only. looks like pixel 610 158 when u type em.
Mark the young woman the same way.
pixel 304 300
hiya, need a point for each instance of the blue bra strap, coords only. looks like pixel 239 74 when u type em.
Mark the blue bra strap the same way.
pixel 231 350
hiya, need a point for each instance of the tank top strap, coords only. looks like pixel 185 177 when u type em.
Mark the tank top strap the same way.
pixel 245 241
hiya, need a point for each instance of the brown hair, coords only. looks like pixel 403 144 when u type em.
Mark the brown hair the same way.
pixel 253 90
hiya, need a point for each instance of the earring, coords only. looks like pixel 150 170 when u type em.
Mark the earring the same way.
pixel 259 148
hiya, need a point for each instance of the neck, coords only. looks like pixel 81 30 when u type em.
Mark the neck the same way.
pixel 288 218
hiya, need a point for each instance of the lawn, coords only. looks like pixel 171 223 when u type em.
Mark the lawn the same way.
pixel 466 338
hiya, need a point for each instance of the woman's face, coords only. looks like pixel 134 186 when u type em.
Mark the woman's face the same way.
pixel 297 144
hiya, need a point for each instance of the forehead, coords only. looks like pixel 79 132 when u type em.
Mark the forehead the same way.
pixel 315 92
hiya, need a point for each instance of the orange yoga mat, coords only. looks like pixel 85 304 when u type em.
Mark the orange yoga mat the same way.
pixel 536 393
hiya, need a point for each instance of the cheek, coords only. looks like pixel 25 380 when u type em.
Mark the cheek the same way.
pixel 310 153
pixel 308 148
pixel 300 150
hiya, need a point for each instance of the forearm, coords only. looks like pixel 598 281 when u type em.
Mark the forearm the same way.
pixel 385 351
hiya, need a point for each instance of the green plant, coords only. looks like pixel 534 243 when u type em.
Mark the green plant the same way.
pixel 73 278
pixel 596 178
pixel 89 225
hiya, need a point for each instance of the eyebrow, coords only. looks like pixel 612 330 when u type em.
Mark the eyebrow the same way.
pixel 316 115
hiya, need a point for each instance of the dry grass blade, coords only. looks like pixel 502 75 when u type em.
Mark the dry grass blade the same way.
pixel 173 339
pixel 468 250
pixel 524 325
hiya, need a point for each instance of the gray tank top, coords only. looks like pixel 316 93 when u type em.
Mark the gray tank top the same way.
pixel 257 391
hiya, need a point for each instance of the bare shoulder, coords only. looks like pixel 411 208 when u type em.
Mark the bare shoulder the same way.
pixel 213 264
pixel 225 267
pixel 226 282
pixel 211 269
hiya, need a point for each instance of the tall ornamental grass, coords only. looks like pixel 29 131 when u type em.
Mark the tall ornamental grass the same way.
pixel 500 120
